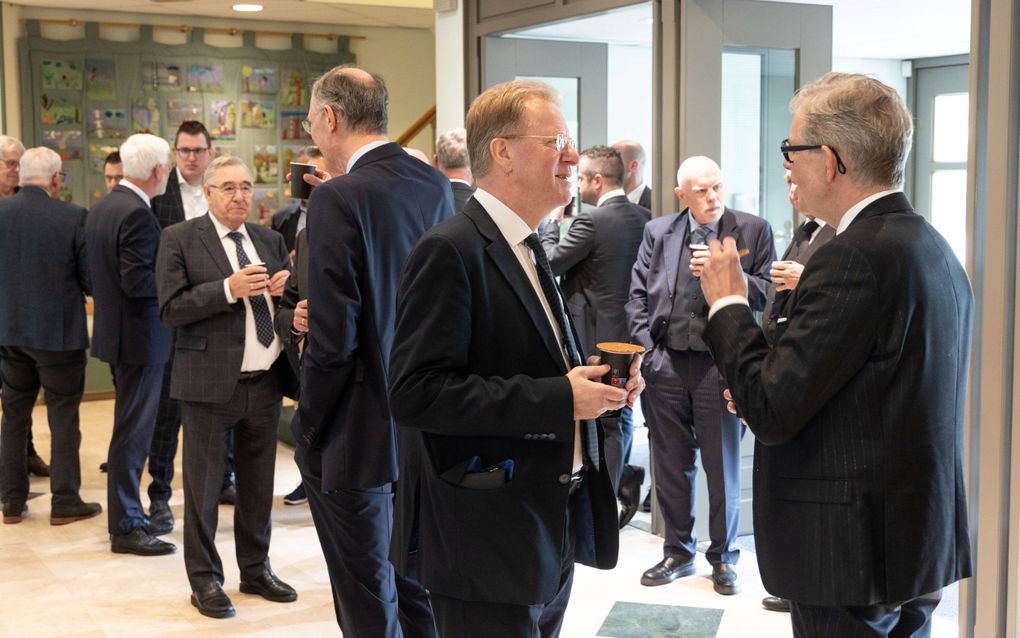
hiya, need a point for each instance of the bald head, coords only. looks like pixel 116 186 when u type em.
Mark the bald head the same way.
pixel 633 156
pixel 700 188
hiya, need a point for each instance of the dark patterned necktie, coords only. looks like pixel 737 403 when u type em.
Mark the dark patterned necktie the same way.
pixel 589 438
pixel 806 230
pixel 259 307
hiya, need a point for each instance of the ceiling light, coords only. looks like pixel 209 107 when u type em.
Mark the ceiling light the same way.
pixel 247 7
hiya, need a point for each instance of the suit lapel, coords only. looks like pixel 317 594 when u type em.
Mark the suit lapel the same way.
pixel 207 234
pixel 265 252
pixel 672 247
pixel 506 261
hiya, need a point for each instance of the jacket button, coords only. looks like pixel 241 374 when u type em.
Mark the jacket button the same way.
pixel 551 436
pixel 527 437
pixel 564 479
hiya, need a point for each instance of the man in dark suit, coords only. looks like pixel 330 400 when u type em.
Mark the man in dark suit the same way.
pixel 361 227
pixel 219 279
pixel 184 199
pixel 859 407
pixel 122 238
pixel 42 334
pixel 452 159
pixel 633 155
pixel 594 260
pixel 684 405
pixel 486 373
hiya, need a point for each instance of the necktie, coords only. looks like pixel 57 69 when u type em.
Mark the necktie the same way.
pixel 805 231
pixel 589 438
pixel 700 235
pixel 259 307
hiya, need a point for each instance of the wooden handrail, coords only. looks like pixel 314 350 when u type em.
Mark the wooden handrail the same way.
pixel 427 118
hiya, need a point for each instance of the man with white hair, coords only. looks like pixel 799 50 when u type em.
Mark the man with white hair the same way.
pixel 684 405
pixel 122 236
pixel 42 334
pixel 452 160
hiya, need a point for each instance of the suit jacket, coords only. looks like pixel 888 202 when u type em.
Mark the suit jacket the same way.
pixel 284 221
pixel 594 260
pixel 45 274
pixel 461 194
pixel 477 371
pixel 122 237
pixel 858 413
pixel 654 277
pixel 295 290
pixel 169 207
pixel 361 227
pixel 209 343
pixel 773 316
pixel 646 198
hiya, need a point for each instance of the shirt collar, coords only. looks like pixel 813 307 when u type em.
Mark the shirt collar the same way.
pixel 137 191
pixel 635 195
pixel 713 227
pixel 616 192
pixel 510 224
pixel 855 210
pixel 222 230
pixel 183 182
pixel 361 151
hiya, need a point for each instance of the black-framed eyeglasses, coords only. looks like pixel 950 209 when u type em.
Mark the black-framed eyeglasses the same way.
pixel 561 140
pixel 786 148
pixel 195 152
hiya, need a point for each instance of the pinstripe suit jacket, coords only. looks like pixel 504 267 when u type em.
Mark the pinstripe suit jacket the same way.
pixel 190 270
pixel 858 415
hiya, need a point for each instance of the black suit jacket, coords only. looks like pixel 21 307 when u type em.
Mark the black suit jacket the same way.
pixel 461 194
pixel 361 227
pixel 295 290
pixel 476 371
pixel 646 198
pixel 122 237
pixel 594 261
pixel 209 343
pixel 45 275
pixel 284 221
pixel 858 412
pixel 168 207
pixel 773 317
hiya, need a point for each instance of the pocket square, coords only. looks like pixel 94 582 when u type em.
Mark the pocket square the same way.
pixel 744 252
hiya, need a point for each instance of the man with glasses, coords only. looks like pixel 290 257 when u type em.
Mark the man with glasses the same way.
pixel 489 386
pixel 219 281
pixel 184 199
pixel 113 170
pixel 684 406
pixel 860 518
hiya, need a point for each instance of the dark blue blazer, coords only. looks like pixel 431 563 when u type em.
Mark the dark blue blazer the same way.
pixel 122 237
pixel 361 228
pixel 45 275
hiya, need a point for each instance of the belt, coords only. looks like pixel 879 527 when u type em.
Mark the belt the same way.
pixel 251 377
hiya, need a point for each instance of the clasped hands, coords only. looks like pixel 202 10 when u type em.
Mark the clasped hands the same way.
pixel 254 280
pixel 592 397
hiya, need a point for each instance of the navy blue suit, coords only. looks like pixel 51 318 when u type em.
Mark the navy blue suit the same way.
pixel 42 335
pixel 683 401
pixel 361 228
pixel 122 236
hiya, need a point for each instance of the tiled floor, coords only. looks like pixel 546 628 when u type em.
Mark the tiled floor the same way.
pixel 63 581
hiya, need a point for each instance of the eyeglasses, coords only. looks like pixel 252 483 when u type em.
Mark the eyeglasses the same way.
pixel 12 164
pixel 786 148
pixel 562 140
pixel 230 190
pixel 63 176
pixel 193 152
pixel 306 123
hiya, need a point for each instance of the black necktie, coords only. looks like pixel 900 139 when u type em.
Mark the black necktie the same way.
pixel 259 307
pixel 589 438
pixel 806 230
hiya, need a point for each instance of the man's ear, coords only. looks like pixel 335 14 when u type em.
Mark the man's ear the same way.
pixel 502 154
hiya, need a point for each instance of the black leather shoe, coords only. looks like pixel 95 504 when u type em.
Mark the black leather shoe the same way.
pixel 38 466
pixel 269 587
pixel 228 496
pixel 646 505
pixel 724 579
pixel 212 601
pixel 161 519
pixel 103 467
pixel 775 603
pixel 669 569
pixel 630 492
pixel 64 514
pixel 140 543
pixel 14 513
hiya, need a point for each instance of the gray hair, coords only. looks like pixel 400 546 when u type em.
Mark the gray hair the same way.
pixel 359 98
pixel 311 152
pixel 217 164
pixel 39 164
pixel 863 120
pixel 143 152
pixel 452 150
pixel 498 111
pixel 8 143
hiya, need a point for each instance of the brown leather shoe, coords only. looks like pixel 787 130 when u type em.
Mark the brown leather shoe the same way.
pixel 775 603
pixel 14 513
pixel 37 466
pixel 64 514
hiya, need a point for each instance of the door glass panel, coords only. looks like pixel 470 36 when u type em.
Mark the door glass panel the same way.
pixel 950 128
pixel 949 208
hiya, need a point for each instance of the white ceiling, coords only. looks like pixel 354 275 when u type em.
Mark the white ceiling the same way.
pixel 892 29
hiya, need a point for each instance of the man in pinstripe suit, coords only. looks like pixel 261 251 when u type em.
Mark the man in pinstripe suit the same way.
pixel 859 510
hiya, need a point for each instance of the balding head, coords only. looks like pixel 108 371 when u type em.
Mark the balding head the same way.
pixel 633 156
pixel 700 188
pixel 359 98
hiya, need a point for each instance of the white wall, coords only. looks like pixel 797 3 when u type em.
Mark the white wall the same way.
pixel 630 97
pixel 887 71
pixel 450 89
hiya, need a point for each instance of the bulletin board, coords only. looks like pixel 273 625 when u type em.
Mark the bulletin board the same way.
pixel 83 97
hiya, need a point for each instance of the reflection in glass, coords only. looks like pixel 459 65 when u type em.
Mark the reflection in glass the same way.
pixel 950 128
pixel 949 208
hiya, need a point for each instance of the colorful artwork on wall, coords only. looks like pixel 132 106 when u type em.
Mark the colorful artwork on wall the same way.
pixel 100 80
pixel 222 121
pixel 260 80
pixel 258 114
pixel 60 75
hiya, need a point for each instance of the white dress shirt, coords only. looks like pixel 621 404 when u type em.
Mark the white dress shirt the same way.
pixel 613 193
pixel 361 151
pixel 635 195
pixel 137 191
pixel 193 197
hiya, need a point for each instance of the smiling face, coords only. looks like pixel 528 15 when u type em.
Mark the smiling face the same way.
pixel 539 171
pixel 10 172
pixel 230 195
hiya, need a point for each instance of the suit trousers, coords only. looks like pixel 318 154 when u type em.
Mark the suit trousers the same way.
pixel 686 413
pixel 252 414
pixel 355 526
pixel 134 415
pixel 910 619
pixel 459 618
pixel 62 378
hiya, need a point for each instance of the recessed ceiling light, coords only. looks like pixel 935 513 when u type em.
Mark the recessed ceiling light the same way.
pixel 247 7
